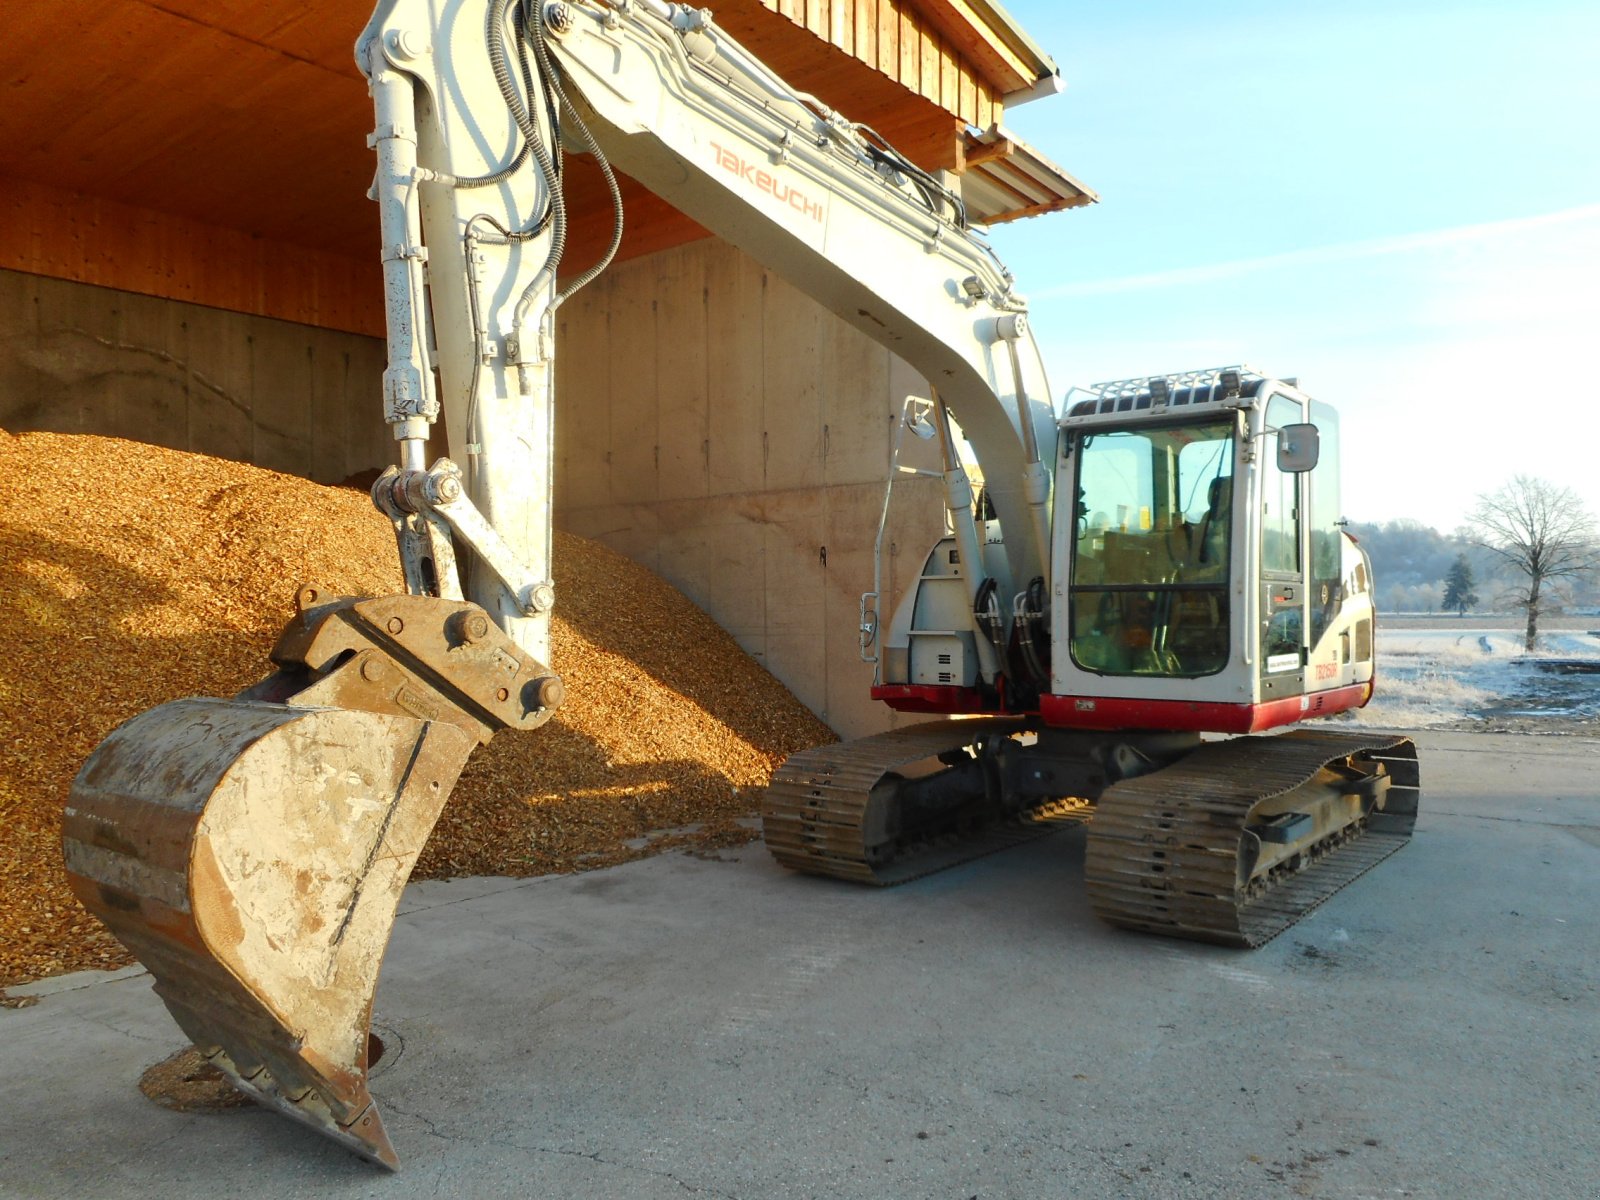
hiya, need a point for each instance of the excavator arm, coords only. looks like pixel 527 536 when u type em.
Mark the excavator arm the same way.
pixel 251 851
pixel 473 106
pixel 678 105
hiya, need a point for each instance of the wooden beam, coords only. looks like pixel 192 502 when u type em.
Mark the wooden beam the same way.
pixel 818 17
pixel 978 153
pixel 866 39
pixel 1035 210
pixel 910 46
pixel 990 108
pixel 950 72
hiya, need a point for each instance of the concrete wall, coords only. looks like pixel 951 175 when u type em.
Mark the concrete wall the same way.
pixel 724 430
pixel 75 358
pixel 713 424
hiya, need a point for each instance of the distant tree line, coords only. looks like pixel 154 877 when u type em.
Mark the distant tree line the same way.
pixel 1412 562
pixel 1530 546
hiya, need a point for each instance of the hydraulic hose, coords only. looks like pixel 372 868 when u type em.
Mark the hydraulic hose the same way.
pixel 558 244
pixel 501 66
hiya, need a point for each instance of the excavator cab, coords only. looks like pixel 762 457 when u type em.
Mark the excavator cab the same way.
pixel 1211 585
pixel 1202 585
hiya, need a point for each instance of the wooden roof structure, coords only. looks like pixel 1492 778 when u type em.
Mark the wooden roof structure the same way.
pixel 215 150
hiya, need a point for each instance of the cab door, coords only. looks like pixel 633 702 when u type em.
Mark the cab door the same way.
pixel 1282 552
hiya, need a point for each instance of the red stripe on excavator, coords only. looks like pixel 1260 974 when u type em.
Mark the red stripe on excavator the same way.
pixel 1105 712
pixel 931 698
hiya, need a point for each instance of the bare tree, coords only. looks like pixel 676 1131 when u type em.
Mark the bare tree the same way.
pixel 1542 530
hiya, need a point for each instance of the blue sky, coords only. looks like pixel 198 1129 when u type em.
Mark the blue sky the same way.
pixel 1399 203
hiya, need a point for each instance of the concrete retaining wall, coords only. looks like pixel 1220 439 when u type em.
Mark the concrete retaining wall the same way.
pixel 76 358
pixel 726 431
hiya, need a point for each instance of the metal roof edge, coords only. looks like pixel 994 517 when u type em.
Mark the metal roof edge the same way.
pixel 1021 43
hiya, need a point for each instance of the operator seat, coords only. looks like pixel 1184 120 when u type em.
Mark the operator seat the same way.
pixel 1196 633
pixel 1210 553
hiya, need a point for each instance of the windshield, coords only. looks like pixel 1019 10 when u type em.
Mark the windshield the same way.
pixel 1150 559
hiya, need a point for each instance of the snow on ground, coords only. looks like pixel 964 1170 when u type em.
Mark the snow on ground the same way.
pixel 1447 674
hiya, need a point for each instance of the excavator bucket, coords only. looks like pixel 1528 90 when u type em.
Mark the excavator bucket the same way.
pixel 251 856
pixel 251 852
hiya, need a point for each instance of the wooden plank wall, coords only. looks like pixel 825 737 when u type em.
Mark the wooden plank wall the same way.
pixel 62 234
pixel 89 239
pixel 905 41
pixel 257 205
pixel 721 428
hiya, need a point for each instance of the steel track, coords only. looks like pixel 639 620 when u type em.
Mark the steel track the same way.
pixel 1163 849
pixel 820 806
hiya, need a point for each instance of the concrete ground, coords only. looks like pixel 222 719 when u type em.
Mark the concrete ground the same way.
pixel 684 1027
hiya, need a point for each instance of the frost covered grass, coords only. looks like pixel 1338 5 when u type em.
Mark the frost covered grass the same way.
pixel 1429 677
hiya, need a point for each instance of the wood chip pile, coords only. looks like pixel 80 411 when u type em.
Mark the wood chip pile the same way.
pixel 135 575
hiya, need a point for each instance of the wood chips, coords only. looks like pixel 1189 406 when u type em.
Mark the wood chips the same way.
pixel 135 575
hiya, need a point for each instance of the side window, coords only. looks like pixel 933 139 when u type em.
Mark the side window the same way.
pixel 1280 511
pixel 1116 496
pixel 1327 551
pixel 1117 488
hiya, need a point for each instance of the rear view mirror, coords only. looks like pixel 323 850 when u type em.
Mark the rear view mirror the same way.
pixel 1299 446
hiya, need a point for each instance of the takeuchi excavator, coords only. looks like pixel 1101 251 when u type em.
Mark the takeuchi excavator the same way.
pixel 1159 563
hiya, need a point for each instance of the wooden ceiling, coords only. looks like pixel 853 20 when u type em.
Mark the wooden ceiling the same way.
pixel 250 115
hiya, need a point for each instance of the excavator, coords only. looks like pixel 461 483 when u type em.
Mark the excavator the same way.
pixel 1147 583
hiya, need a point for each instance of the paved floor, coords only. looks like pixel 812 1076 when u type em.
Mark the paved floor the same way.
pixel 682 1027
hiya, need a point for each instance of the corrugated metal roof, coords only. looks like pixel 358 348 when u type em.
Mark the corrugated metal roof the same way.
pixel 1006 179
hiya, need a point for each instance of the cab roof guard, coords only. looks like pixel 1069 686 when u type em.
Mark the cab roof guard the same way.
pixel 1214 384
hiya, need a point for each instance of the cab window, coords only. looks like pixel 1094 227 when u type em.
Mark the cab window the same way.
pixel 1152 549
